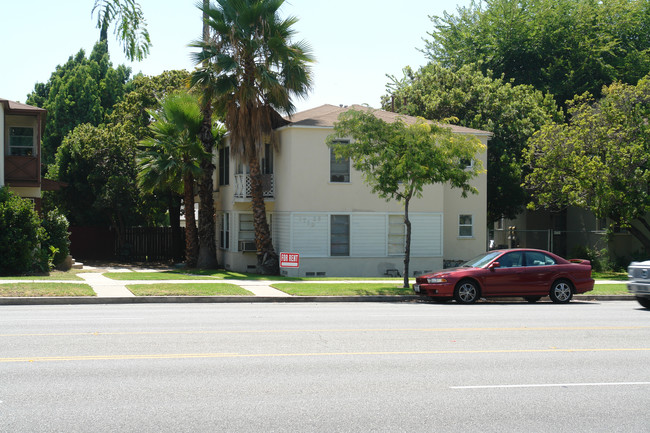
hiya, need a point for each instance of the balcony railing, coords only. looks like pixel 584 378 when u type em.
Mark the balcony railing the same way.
pixel 243 186
pixel 23 170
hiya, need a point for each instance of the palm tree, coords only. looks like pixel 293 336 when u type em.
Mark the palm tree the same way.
pixel 131 26
pixel 207 247
pixel 175 152
pixel 254 70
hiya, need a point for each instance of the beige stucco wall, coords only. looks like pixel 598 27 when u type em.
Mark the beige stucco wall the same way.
pixel 26 191
pixel 461 248
pixel 302 180
pixel 301 169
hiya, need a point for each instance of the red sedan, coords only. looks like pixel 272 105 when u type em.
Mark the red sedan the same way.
pixel 518 272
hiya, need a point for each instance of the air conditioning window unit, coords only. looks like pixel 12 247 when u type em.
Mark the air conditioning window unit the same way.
pixel 247 246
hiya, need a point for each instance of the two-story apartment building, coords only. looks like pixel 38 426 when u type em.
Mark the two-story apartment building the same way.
pixel 321 208
pixel 20 167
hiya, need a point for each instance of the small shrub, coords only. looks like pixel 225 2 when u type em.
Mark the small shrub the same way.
pixel 600 259
pixel 58 238
pixel 20 234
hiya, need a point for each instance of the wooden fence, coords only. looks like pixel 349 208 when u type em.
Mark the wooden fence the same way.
pixel 141 244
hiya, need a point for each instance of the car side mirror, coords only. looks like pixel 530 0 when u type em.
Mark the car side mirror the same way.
pixel 494 265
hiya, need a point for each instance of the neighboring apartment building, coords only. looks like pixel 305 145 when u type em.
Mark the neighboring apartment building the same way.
pixel 566 233
pixel 20 167
pixel 321 208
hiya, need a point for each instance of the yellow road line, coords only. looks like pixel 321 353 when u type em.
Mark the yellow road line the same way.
pixel 288 355
pixel 290 331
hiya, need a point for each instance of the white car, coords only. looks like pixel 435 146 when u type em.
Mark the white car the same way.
pixel 638 284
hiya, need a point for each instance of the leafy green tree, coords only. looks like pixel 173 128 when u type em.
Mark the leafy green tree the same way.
pixel 470 98
pixel 144 94
pixel 600 161
pixel 20 234
pixel 131 27
pixel 83 90
pixel 398 159
pixel 98 165
pixel 564 47
pixel 175 152
pixel 253 69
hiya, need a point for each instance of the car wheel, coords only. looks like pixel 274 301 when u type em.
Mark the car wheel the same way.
pixel 466 292
pixel 645 302
pixel 561 292
pixel 532 299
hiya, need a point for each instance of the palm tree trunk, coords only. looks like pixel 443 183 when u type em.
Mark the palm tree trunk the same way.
pixel 267 258
pixel 207 256
pixel 191 237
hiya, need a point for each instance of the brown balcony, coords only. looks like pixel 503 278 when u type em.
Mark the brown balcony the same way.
pixel 22 170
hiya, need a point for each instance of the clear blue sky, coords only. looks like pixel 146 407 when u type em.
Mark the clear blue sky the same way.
pixel 355 42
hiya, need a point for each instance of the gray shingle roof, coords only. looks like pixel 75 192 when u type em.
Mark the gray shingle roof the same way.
pixel 325 116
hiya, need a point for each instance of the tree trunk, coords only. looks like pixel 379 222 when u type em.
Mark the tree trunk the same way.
pixel 191 237
pixel 407 247
pixel 641 236
pixel 175 224
pixel 207 256
pixel 267 258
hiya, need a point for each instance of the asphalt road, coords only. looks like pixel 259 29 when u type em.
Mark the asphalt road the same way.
pixel 357 367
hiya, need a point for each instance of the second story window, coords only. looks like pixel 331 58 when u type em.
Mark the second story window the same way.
pixel 21 141
pixel 339 167
pixel 224 166
pixel 267 161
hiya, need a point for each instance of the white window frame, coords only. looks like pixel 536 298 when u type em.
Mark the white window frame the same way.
pixel 331 234
pixel 224 232
pixel 31 149
pixel 334 159
pixel 463 225
pixel 393 237
pixel 246 235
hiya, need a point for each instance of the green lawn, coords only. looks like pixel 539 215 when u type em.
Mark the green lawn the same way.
pixel 609 289
pixel 199 289
pixel 609 275
pixel 342 289
pixel 70 275
pixel 45 289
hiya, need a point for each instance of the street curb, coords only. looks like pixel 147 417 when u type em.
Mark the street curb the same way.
pixel 90 300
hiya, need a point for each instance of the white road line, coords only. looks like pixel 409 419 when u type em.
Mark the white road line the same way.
pixel 547 385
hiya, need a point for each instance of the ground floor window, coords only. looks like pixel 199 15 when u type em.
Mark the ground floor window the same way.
pixel 224 241
pixel 246 227
pixel 396 235
pixel 340 235
pixel 465 226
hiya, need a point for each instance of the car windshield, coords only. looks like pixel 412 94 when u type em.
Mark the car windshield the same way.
pixel 482 260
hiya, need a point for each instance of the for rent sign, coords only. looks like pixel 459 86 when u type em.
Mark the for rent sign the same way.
pixel 289 260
